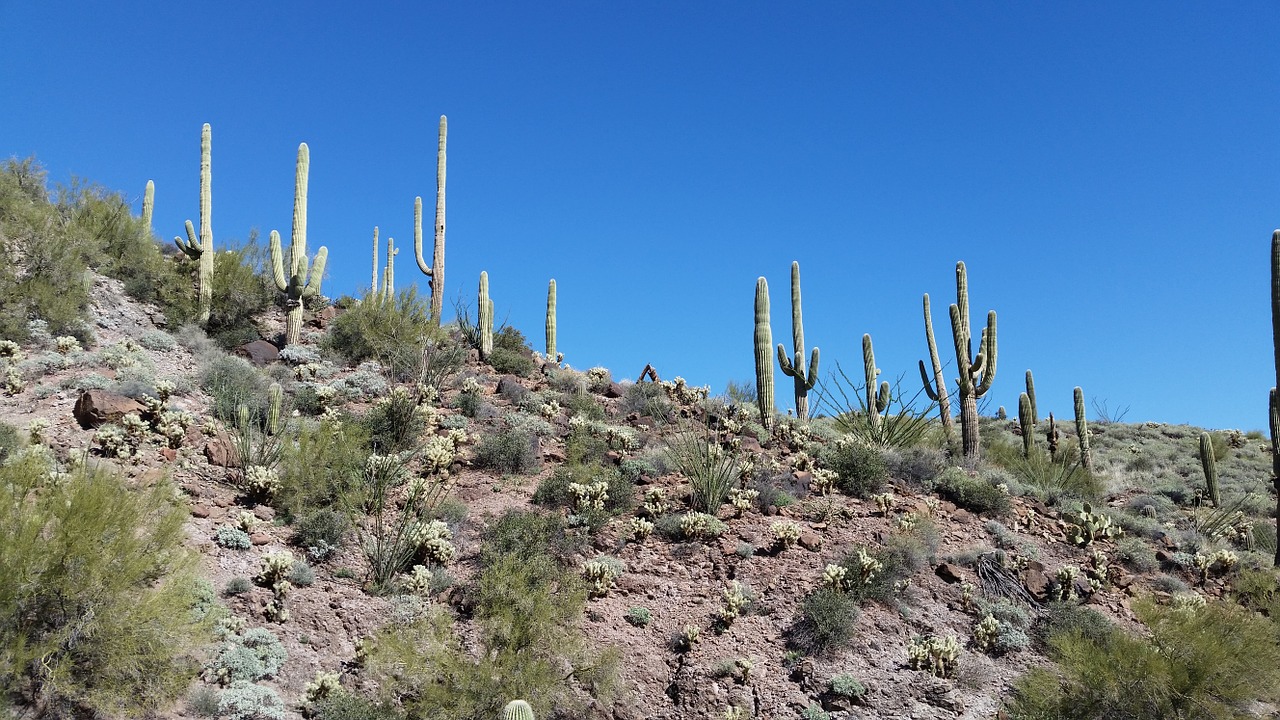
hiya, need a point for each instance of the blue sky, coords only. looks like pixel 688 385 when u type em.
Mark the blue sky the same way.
pixel 1109 172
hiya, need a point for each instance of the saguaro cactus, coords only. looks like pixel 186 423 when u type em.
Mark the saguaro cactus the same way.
pixel 936 388
pixel 976 374
pixel 148 204
pixel 1210 465
pixel 1031 395
pixel 1274 410
pixel 877 402
pixel 434 272
pixel 304 277
pixel 1082 431
pixel 389 272
pixel 551 323
pixel 803 381
pixel 373 280
pixel 484 317
pixel 517 710
pixel 202 249
pixel 1027 424
pixel 764 355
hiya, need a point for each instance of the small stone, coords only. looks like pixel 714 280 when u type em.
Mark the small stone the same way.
pixel 200 511
pixel 264 512
pixel 949 573
pixel 260 538
pixel 810 541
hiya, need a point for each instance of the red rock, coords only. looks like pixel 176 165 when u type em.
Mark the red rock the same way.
pixel 1036 580
pixel 97 407
pixel 260 538
pixel 948 572
pixel 200 511
pixel 810 541
pixel 169 454
pixel 221 451
pixel 259 352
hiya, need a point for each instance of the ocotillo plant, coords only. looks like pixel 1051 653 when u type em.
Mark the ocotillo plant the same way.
pixel 1210 465
pixel 484 317
pixel 517 710
pixel 303 279
pixel 1027 424
pixel 803 381
pixel 936 388
pixel 148 204
pixel 202 249
pixel 1031 395
pixel 434 272
pixel 1082 431
pixel 976 371
pixel 877 402
pixel 551 323
pixel 764 356
pixel 1273 412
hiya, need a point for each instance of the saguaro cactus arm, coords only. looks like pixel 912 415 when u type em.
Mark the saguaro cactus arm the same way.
pixel 434 272
pixel 1082 430
pixel 764 356
pixel 1031 396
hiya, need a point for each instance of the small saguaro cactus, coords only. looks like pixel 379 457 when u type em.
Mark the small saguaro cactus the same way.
pixel 1210 465
pixel 1031 395
pixel 764 355
pixel 484 317
pixel 304 277
pixel 804 381
pixel 976 371
pixel 1027 424
pixel 517 710
pixel 936 388
pixel 1082 431
pixel 202 249
pixel 148 204
pixel 877 402
pixel 434 272
pixel 551 322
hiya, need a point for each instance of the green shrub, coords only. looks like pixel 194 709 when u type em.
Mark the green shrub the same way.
pixel 321 532
pixel 511 362
pixel 1055 480
pixel 346 706
pixel 246 701
pixel 237 586
pixel 10 441
pixel 972 493
pixel 647 399
pixel 1205 663
pixel 846 686
pixel 827 619
pixel 394 422
pixel 322 465
pixel 1066 618
pixel 1258 590
pixel 638 616
pixel 97 609
pixel 525 534
pixel 554 491
pixel 254 655
pixel 232 382
pixel 242 291
pixel 392 333
pixel 711 469
pixel 510 451
pixel 861 469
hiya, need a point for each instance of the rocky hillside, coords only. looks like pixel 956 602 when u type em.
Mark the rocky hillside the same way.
pixel 433 535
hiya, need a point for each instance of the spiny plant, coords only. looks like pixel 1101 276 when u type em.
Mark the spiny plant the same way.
pixel 1027 423
pixel 517 710
pixel 148 204
pixel 803 381
pixel 1031 396
pixel 434 272
pixel 764 359
pixel 1082 431
pixel 1210 465
pixel 484 317
pixel 976 371
pixel 303 280
pixel 551 323
pixel 936 387
pixel 1274 409
pixel 202 249
pixel 877 402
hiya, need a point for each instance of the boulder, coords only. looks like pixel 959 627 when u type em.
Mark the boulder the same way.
pixel 222 452
pixel 98 407
pixel 259 352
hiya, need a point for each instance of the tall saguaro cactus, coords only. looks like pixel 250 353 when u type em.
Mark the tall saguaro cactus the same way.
pixel 1082 431
pixel 1031 395
pixel 304 276
pixel 389 272
pixel 1274 409
pixel 484 317
pixel 1210 465
pixel 551 322
pixel 148 204
pixel 1027 423
pixel 373 280
pixel 877 402
pixel 976 371
pixel 202 248
pixel 803 381
pixel 764 355
pixel 434 272
pixel 936 388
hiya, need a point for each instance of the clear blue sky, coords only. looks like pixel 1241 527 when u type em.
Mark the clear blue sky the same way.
pixel 1110 172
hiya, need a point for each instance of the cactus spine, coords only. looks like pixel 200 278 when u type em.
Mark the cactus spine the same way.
pixel 303 279
pixel 936 388
pixel 148 204
pixel 876 402
pixel 434 272
pixel 764 356
pixel 1026 423
pixel 1031 395
pixel 551 323
pixel 484 317
pixel 202 249
pixel 1082 431
pixel 976 374
pixel 803 381
pixel 517 710
pixel 1210 465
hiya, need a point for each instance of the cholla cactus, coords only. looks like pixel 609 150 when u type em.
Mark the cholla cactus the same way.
pixel 432 540
pixel 939 656
pixel 417 582
pixel 884 502
pixel 985 633
pixel 736 600
pixel 13 382
pixel 517 709
pixel 742 499
pixel 834 577
pixel 1064 583
pixel 438 454
pixel 655 502
pixel 824 481
pixel 261 481
pixel 690 636
pixel 10 350
pixel 1188 603
pixel 908 521
pixel 696 525
pixel 640 529
pixel 114 442
pixel 601 573
pixel 549 410
pixel 35 430
pixel 246 521
pixel 67 344
pixel 868 568
pixel 325 685
pixel 274 574
pixel 589 497
pixel 304 276
pixel 785 534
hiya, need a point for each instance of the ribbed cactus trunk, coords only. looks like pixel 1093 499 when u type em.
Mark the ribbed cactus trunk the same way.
pixel 551 322
pixel 148 204
pixel 389 272
pixel 304 277
pixel 202 248
pixel 1031 396
pixel 1082 431
pixel 936 388
pixel 1210 464
pixel 373 281
pixel 976 371
pixel 876 402
pixel 435 271
pixel 484 315
pixel 1273 412
pixel 764 355
pixel 517 710
pixel 1026 424
pixel 803 381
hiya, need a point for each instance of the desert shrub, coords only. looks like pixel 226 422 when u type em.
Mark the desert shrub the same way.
pixel 253 655
pixel 827 619
pixel 972 493
pixel 301 574
pixel 322 464
pixel 555 490
pixel 1258 590
pixel 244 700
pixel 846 686
pixel 524 534
pixel 237 586
pixel 241 292
pixel 231 382
pixel 1197 663
pixel 1137 555
pixel 900 426
pixel 508 450
pixel 347 706
pixel 511 353
pixel 916 466
pixel 392 333
pixel 10 441
pixel 647 399
pixel 861 469
pixel 1066 618
pixel 98 607
pixel 394 422
pixel 321 532
pixel 1056 479
pixel 711 469
pixel 232 538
